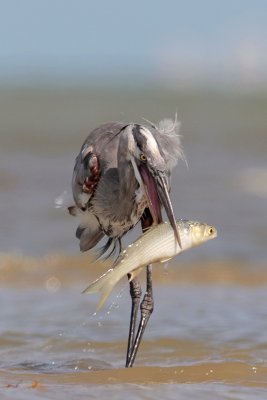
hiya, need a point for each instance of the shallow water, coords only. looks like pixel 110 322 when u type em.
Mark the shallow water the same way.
pixel 224 139
pixel 207 337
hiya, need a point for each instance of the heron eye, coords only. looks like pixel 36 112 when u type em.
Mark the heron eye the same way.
pixel 210 231
pixel 142 157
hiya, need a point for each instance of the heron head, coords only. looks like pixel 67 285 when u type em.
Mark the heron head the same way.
pixel 151 172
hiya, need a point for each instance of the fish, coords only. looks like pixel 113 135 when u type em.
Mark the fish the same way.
pixel 157 244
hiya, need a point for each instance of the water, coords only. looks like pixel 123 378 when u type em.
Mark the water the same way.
pixel 207 336
pixel 203 339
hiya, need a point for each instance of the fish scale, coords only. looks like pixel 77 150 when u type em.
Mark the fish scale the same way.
pixel 157 244
pixel 142 255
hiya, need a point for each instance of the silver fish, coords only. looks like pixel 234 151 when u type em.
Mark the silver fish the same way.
pixel 158 244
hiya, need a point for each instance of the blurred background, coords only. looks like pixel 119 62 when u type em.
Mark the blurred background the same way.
pixel 66 67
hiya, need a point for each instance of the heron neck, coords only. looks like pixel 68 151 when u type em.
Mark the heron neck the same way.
pixel 127 182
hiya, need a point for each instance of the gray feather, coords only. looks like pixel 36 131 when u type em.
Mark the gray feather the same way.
pixel 88 237
pixel 118 200
pixel 169 140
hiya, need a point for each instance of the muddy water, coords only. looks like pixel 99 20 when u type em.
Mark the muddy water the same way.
pixel 207 337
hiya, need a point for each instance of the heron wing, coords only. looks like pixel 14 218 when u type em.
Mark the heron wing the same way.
pixel 88 237
pixel 98 153
pixel 89 231
pixel 86 176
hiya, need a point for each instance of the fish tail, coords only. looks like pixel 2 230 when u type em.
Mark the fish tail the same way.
pixel 105 284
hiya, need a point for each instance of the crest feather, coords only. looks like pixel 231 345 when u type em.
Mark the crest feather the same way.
pixel 169 139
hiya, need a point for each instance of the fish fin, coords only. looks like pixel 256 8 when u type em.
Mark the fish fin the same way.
pixel 105 284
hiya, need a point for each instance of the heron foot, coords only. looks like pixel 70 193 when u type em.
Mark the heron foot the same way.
pixel 146 307
pixel 136 293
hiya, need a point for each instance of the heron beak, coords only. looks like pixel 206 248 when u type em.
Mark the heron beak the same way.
pixel 156 190
pixel 162 185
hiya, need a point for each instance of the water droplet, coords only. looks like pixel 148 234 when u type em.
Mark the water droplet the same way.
pixel 52 284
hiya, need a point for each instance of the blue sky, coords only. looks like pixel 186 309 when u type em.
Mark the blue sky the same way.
pixel 171 41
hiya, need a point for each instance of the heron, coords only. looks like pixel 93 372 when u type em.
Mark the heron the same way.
pixel 122 176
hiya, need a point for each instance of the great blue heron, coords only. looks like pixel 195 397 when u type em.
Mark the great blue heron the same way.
pixel 122 176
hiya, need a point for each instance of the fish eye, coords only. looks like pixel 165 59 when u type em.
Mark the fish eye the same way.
pixel 143 157
pixel 210 231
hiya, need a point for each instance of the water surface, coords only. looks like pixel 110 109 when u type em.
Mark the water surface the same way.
pixel 207 336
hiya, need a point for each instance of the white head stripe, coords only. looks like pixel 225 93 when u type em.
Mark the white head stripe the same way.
pixel 128 133
pixel 151 141
pixel 136 172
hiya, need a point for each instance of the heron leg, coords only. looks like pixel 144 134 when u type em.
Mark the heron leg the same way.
pixel 135 292
pixel 146 307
